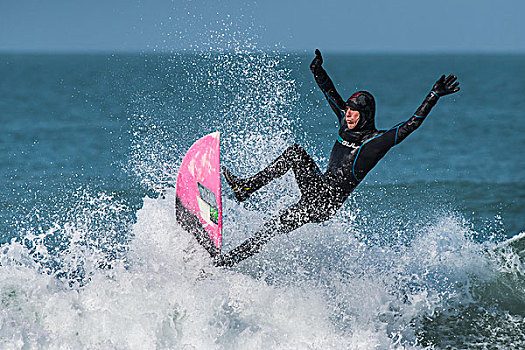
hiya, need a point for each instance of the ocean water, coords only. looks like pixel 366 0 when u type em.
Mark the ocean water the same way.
pixel 91 255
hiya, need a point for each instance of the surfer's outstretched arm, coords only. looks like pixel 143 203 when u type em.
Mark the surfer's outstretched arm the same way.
pixel 327 86
pixel 444 86
pixel 375 148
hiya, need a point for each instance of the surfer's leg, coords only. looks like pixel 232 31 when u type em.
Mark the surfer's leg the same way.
pixel 291 219
pixel 294 157
pixel 248 248
pixel 307 173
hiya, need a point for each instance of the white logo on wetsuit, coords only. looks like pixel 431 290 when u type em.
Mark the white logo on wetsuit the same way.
pixel 354 146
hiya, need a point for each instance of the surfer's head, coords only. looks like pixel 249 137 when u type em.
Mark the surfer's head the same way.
pixel 362 102
pixel 351 117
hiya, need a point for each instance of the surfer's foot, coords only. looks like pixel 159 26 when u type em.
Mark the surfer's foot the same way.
pixel 224 261
pixel 240 189
pixel 218 261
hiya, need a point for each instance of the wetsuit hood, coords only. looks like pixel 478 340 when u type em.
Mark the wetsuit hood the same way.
pixel 364 102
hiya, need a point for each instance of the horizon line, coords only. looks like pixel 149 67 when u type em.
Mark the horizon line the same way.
pixel 271 51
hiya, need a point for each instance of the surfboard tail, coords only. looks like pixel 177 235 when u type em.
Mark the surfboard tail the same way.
pixel 198 205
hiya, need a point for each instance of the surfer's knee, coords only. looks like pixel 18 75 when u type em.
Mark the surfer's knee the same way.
pixel 322 210
pixel 297 150
pixel 292 218
pixel 321 217
pixel 321 214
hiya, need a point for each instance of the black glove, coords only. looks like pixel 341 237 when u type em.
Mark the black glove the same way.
pixel 317 62
pixel 446 86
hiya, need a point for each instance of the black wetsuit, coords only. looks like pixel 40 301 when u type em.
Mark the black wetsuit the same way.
pixel 355 152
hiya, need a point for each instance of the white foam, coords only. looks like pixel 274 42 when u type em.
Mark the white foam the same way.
pixel 319 287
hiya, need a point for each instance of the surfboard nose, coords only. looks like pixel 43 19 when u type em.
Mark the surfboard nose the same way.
pixel 198 204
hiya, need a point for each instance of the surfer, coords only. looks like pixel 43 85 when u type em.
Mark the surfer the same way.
pixel 358 148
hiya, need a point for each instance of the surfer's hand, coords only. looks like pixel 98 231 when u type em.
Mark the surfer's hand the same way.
pixel 446 86
pixel 317 62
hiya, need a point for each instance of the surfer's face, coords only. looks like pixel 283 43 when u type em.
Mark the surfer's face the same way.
pixel 352 118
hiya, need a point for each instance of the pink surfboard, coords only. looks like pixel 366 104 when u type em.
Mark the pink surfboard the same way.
pixel 198 206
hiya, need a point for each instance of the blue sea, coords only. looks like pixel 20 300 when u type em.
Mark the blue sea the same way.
pixel 91 255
